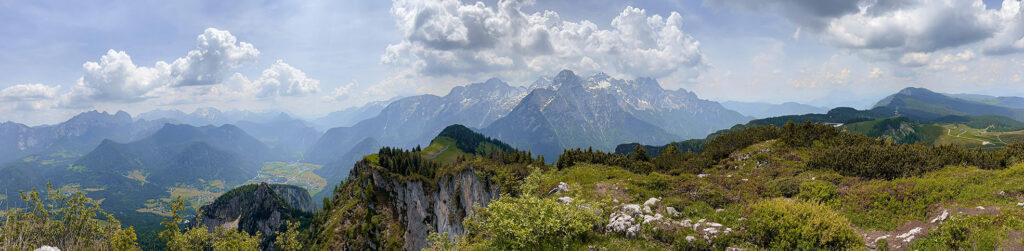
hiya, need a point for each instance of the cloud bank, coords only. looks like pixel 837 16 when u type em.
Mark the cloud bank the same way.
pixel 903 31
pixel 203 74
pixel 449 38
pixel 115 78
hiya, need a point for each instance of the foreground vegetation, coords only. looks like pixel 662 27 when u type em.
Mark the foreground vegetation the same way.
pixel 794 187
pixel 76 222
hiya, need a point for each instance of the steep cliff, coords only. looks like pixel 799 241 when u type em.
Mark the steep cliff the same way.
pixel 394 199
pixel 263 208
pixel 403 211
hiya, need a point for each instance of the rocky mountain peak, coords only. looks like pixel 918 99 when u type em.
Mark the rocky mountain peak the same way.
pixel 263 208
pixel 96 117
pixel 915 91
pixel 566 76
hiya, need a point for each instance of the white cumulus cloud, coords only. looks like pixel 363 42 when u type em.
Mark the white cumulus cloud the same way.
pixel 915 59
pixel 449 38
pixel 894 29
pixel 115 78
pixel 282 79
pixel 28 97
pixel 339 92
pixel 28 92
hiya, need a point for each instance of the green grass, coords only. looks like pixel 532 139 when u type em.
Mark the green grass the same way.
pixel 65 154
pixel 868 204
pixel 975 232
pixel 298 174
pixel 898 129
pixel 729 191
pixel 30 159
pixel 372 158
pixel 443 150
pixel 962 135
pixel 196 198
pixel 138 175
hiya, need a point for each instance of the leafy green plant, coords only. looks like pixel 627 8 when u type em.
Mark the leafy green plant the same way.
pixel 787 224
pixel 68 222
pixel 444 242
pixel 972 232
pixel 289 239
pixel 199 238
pixel 529 221
pixel 818 191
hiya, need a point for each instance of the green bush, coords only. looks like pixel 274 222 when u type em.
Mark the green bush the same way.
pixel 785 187
pixel 199 238
pixel 70 222
pixel 529 221
pixel 973 232
pixel 818 191
pixel 289 240
pixel 786 224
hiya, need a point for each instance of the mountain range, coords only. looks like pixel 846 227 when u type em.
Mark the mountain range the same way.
pixel 134 165
pixel 765 110
pixel 287 135
pixel 569 111
pixel 565 111
pixel 923 104
pixel 207 116
pixel 350 116
pixel 182 154
pixel 73 137
pixel 412 120
pixel 135 176
pixel 912 115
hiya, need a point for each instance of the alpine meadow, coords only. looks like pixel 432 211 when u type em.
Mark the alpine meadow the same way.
pixel 512 125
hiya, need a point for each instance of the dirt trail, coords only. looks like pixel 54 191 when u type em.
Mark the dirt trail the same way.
pixel 439 153
pixel 904 235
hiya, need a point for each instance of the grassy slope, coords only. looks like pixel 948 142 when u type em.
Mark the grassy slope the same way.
pixel 901 130
pixel 442 149
pixel 963 135
pixel 738 182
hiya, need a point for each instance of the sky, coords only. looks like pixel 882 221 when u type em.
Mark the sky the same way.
pixel 309 58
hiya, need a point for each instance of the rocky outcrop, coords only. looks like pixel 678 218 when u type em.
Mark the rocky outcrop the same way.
pixel 629 220
pixel 295 196
pixel 422 208
pixel 263 208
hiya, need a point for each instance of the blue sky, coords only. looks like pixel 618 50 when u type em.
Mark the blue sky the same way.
pixel 314 57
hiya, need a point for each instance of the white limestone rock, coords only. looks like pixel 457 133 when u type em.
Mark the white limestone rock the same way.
pixel 565 200
pixel 652 202
pixel 652 219
pixel 672 211
pixel 561 188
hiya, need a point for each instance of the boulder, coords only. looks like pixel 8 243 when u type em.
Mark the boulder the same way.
pixel 565 200
pixel 648 219
pixel 632 209
pixel 561 188
pixel 652 202
pixel 621 223
pixel 672 211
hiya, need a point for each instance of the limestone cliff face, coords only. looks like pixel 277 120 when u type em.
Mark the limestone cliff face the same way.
pixel 421 208
pixel 262 208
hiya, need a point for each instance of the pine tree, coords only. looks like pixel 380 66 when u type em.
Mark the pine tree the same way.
pixel 640 153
